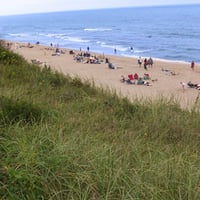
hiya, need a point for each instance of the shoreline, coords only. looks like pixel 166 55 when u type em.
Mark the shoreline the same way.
pixel 110 54
pixel 167 86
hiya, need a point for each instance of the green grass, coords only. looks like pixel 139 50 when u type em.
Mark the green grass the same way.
pixel 61 138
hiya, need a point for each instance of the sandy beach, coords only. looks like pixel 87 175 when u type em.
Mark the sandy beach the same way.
pixel 163 82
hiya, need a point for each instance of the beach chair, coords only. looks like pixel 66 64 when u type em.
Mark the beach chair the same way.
pixel 130 79
pixel 130 76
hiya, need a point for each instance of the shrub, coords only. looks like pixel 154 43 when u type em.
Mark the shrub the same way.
pixel 9 57
pixel 13 111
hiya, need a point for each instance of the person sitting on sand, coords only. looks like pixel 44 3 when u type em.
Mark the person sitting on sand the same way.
pixel 96 60
pixel 78 58
pixel 140 81
pixel 165 70
pixel 87 60
pixel 123 79
pixel 192 85
pixel 198 87
pixel 71 52
pixel 169 72
pixel 136 76
pixel 184 85
pixel 173 73
pixel 147 83
pixel 106 60
pixel 111 66
pixel 153 80
pixel 36 61
pixel 146 76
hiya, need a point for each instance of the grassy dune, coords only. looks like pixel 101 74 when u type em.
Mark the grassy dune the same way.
pixel 61 138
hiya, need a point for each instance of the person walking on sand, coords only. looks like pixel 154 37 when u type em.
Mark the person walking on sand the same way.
pixel 192 65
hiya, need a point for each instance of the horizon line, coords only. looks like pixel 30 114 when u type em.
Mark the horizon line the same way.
pixel 90 9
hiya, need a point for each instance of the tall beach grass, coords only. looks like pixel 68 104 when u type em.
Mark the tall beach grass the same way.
pixel 62 138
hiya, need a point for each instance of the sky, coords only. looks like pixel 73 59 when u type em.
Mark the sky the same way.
pixel 12 7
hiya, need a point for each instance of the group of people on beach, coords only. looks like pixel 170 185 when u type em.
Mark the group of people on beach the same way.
pixel 136 79
pixel 147 62
pixel 87 57
pixel 169 72
pixel 190 85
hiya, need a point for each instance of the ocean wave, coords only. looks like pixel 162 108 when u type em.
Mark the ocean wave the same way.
pixel 142 51
pixel 117 47
pixel 75 39
pixel 124 49
pixel 18 35
pixel 162 40
pixel 129 55
pixel 97 29
pixel 100 43
pixel 67 38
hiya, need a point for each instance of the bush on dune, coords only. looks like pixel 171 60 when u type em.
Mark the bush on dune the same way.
pixel 8 57
pixel 15 111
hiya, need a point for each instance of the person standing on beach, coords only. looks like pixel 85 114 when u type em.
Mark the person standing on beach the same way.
pixel 192 65
pixel 140 61
pixel 150 61
pixel 145 64
pixel 115 50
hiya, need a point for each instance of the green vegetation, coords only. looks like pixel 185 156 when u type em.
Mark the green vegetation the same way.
pixel 61 138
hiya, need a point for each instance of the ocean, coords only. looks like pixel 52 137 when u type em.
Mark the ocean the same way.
pixel 165 32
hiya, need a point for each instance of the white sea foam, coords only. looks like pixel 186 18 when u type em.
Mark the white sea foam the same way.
pixel 67 38
pixel 97 29
pixel 141 51
pixel 100 43
pixel 75 39
pixel 18 34
pixel 122 29
pixel 117 47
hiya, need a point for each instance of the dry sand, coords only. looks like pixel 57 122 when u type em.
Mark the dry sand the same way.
pixel 166 86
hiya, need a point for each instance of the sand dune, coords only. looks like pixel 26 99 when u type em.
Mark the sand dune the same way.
pixel 166 84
